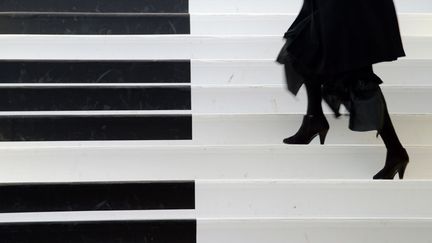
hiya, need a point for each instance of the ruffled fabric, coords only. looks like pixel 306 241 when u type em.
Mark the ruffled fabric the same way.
pixel 325 44
pixel 359 92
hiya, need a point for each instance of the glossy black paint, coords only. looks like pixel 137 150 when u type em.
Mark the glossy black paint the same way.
pixel 97 6
pixel 94 98
pixel 97 196
pixel 106 127
pixel 160 231
pixel 80 71
pixel 93 24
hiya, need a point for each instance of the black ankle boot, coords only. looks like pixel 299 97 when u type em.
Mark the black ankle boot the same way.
pixel 396 163
pixel 311 127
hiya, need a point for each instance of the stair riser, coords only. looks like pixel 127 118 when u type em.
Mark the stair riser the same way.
pixel 23 198
pixel 404 72
pixel 272 129
pixel 95 98
pixel 249 100
pixel 127 71
pixel 76 128
pixel 296 199
pixel 85 24
pixel 319 231
pixel 277 24
pixel 181 6
pixel 282 6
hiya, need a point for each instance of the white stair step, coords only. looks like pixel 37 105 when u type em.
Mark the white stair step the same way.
pixel 71 47
pixel 276 99
pixel 404 72
pixel 277 24
pixel 311 199
pixel 315 230
pixel 283 6
pixel 271 129
pixel 122 163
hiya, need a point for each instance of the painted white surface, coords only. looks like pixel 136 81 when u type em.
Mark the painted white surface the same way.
pixel 276 99
pixel 284 6
pixel 97 216
pixel 244 6
pixel 271 129
pixel 88 47
pixel 315 231
pixel 277 24
pixel 137 163
pixel 404 72
pixel 313 199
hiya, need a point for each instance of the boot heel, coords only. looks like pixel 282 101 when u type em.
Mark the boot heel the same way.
pixel 323 135
pixel 401 171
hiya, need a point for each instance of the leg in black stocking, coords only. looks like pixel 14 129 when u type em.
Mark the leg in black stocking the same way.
pixel 389 135
pixel 397 157
pixel 314 122
pixel 313 90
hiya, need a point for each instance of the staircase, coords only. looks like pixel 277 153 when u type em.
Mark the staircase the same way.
pixel 161 121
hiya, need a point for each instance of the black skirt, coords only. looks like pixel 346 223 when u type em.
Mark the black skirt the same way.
pixel 335 43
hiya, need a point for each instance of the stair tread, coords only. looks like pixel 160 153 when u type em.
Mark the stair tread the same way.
pixel 159 47
pixel 121 163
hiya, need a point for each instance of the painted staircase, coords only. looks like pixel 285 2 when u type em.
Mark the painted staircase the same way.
pixel 161 121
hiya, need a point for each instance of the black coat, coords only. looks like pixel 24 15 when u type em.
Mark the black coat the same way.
pixel 335 42
pixel 334 36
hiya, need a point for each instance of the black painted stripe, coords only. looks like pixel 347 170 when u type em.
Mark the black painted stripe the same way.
pixel 167 231
pixel 98 24
pixel 95 98
pixel 97 196
pixel 138 6
pixel 77 128
pixel 123 71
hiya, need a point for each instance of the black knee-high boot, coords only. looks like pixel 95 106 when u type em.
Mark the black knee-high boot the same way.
pixel 397 157
pixel 314 122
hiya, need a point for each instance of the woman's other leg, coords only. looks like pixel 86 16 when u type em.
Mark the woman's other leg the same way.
pixel 397 157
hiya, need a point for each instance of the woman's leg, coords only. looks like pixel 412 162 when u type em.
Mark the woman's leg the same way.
pixel 314 97
pixel 397 157
pixel 314 122
pixel 388 133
